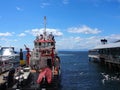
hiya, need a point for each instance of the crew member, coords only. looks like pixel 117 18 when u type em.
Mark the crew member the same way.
pixel 27 56
pixel 21 58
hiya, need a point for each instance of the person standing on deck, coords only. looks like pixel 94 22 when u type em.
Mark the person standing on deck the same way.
pixel 27 56
pixel 21 54
pixel 22 62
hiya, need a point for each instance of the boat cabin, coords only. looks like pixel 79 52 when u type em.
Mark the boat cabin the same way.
pixel 7 58
pixel 44 50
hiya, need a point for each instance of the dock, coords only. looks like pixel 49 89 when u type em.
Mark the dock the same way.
pixel 108 54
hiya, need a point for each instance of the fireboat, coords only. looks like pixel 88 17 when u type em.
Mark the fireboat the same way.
pixel 44 60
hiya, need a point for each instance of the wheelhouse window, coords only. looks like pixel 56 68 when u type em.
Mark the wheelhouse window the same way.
pixel 35 44
pixel 39 43
pixel 43 44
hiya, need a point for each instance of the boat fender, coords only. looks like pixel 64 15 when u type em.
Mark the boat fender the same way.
pixel 47 73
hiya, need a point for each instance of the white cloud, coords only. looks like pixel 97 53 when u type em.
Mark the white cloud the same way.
pixel 79 43
pixel 84 29
pixel 6 34
pixel 7 41
pixel 55 32
pixel 77 39
pixel 63 42
pixel 112 37
pixel 3 39
pixel 74 43
pixel 36 32
pixel 22 34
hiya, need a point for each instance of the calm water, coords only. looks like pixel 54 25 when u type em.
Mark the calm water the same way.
pixel 80 74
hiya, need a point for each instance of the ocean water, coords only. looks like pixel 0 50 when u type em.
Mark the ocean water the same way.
pixel 77 73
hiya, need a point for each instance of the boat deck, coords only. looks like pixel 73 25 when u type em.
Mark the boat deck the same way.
pixel 31 83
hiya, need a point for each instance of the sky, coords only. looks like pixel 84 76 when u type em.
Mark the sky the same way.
pixel 76 24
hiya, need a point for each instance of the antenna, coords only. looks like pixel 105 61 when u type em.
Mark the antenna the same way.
pixel 45 24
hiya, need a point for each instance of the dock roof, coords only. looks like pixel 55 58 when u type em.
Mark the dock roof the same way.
pixel 110 45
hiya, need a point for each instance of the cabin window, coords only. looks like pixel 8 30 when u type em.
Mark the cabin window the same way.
pixel 39 43
pixel 37 50
pixel 43 44
pixel 35 43
pixel 52 43
pixel 49 44
pixel 37 55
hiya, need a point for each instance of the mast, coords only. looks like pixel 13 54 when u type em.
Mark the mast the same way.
pixel 45 25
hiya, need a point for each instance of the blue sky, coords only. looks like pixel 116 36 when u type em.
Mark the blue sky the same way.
pixel 76 24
